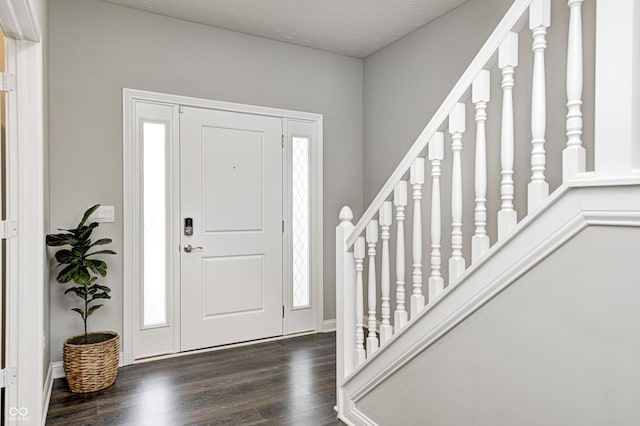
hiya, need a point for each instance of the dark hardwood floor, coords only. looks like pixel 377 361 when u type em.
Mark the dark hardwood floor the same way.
pixel 287 382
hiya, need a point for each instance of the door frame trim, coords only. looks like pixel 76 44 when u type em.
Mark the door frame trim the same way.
pixel 132 225
pixel 27 262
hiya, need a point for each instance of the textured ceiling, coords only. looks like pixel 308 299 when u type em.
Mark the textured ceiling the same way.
pixel 349 27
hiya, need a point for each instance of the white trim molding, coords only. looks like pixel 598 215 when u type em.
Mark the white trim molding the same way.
pixel 329 326
pixel 361 417
pixel 143 95
pixel 131 187
pixel 46 392
pixel 57 370
pixel 31 249
pixel 18 22
pixel 353 416
pixel 25 175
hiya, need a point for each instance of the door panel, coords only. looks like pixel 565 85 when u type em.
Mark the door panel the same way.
pixel 239 278
pixel 231 185
pixel 232 155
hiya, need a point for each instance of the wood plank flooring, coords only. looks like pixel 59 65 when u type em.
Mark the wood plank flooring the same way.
pixel 287 382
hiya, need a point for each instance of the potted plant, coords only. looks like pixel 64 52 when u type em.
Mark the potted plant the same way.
pixel 90 359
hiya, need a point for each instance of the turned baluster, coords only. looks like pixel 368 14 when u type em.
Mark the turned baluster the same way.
pixel 385 218
pixel 507 62
pixel 539 21
pixel 481 95
pixel 416 178
pixel 359 254
pixel 400 201
pixel 436 155
pixel 574 155
pixel 456 129
pixel 372 239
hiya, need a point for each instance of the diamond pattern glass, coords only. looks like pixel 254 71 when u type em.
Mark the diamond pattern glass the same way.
pixel 300 222
pixel 155 224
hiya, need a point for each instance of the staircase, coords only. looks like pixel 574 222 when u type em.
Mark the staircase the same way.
pixel 508 334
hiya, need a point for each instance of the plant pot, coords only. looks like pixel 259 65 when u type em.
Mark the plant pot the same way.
pixel 90 367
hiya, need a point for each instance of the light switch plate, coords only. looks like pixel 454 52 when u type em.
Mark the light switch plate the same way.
pixel 104 214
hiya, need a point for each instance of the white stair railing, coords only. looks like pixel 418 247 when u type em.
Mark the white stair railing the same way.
pixel 617 155
pixel 500 50
pixel 375 225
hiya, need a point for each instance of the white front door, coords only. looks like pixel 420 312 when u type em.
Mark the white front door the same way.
pixel 231 193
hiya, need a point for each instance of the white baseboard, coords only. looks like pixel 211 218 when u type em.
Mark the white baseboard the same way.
pixel 329 326
pixel 354 417
pixel 58 370
pixel 362 418
pixel 46 393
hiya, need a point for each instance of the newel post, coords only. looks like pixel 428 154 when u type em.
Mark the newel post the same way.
pixel 345 305
pixel 617 99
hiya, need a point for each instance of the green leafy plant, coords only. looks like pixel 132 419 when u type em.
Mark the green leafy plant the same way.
pixel 80 266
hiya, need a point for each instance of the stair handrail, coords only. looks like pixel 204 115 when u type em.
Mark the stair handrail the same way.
pixel 513 20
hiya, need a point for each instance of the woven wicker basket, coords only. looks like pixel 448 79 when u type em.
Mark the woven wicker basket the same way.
pixel 91 367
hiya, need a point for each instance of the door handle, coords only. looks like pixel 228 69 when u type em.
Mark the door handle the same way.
pixel 189 249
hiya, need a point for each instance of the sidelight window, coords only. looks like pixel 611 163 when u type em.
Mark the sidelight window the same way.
pixel 300 223
pixel 155 224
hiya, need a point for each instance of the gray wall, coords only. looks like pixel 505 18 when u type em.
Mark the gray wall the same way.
pixel 406 82
pixel 97 48
pixel 545 351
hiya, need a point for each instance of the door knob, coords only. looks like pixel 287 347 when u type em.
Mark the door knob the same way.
pixel 189 249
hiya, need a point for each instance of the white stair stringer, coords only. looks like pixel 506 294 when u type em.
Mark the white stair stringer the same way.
pixel 570 209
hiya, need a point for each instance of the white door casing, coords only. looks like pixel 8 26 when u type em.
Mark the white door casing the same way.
pixel 307 124
pixel 231 180
pixel 25 194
